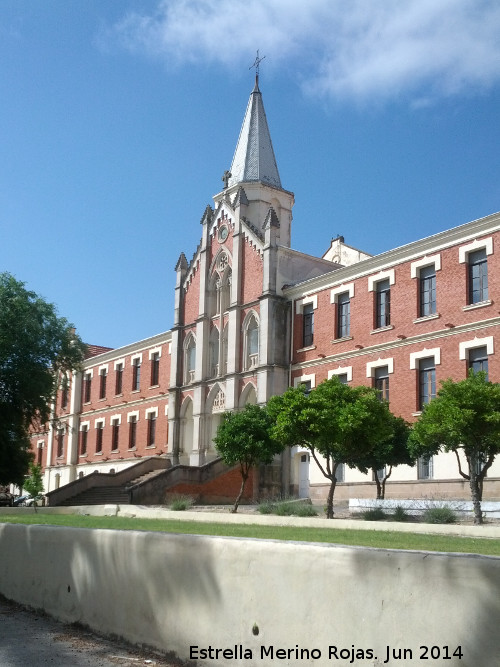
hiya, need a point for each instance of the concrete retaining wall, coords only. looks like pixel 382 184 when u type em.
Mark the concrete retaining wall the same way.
pixel 174 592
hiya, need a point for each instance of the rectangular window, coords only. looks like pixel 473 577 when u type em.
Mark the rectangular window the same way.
pixel 478 276
pixel 343 315
pixel 307 386
pixel 427 290
pixel 102 383
pixel 155 369
pixel 342 378
pixel 83 440
pixel 308 325
pixel 99 437
pixel 478 360
pixel 115 435
pixel 132 432
pixel 87 387
pixel 427 381
pixel 151 429
pixel 39 452
pixel 424 467
pixel 383 304
pixel 60 444
pixel 136 374
pixel 119 379
pixel 340 473
pixel 381 382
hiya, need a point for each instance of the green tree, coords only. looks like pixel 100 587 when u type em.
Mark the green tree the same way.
pixel 36 346
pixel 464 417
pixel 244 438
pixel 388 453
pixel 336 422
pixel 33 484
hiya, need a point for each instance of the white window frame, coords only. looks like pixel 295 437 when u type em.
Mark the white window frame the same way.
pixel 300 303
pixel 305 378
pixel 155 350
pixel 114 418
pixel 100 420
pixel 379 277
pixel 346 370
pixel 151 411
pixel 468 345
pixel 424 354
pixel 341 289
pixel 465 250
pixel 428 260
pixel 371 366
pixel 135 414
pixel 118 362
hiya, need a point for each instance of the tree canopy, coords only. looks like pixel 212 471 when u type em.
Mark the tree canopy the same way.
pixel 36 346
pixel 464 417
pixel 336 422
pixel 387 454
pixel 245 438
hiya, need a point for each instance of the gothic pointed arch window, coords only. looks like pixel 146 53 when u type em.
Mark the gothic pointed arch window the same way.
pixel 224 349
pixel 251 341
pixel 189 358
pixel 212 295
pixel 213 356
pixel 225 290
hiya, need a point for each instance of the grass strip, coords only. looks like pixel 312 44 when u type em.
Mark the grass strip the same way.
pixel 349 537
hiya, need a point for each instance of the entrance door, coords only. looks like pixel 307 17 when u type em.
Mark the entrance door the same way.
pixel 304 476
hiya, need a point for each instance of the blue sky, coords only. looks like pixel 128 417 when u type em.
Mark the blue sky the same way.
pixel 118 118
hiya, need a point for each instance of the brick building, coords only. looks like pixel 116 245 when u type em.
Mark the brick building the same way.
pixel 252 317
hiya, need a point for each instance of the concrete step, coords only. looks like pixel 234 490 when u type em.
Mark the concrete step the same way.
pixel 100 496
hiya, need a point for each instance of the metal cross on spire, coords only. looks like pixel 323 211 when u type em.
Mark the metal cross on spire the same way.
pixel 256 64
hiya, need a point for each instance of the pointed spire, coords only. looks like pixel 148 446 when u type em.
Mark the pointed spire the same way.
pixel 254 155
pixel 182 264
pixel 271 219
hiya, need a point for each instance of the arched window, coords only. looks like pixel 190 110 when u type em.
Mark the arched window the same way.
pixel 251 341
pixel 223 359
pixel 225 291
pixel 189 359
pixel 212 296
pixel 213 357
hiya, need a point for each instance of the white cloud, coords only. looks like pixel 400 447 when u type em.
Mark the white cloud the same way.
pixel 341 49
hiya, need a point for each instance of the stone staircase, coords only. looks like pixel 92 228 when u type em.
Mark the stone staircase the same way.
pixel 103 495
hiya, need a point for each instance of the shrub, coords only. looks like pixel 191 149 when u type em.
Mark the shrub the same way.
pixel 286 507
pixel 305 510
pixel 266 507
pixel 400 514
pixel 375 514
pixel 439 515
pixel 181 503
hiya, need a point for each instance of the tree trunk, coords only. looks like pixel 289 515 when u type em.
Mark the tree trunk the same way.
pixel 386 477
pixel 380 494
pixel 244 477
pixel 475 490
pixel 329 501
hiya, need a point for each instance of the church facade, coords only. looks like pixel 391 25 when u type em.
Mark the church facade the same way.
pixel 253 316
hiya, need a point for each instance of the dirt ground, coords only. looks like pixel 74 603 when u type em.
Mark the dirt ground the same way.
pixel 59 645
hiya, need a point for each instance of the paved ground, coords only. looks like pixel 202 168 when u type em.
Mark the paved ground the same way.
pixel 31 639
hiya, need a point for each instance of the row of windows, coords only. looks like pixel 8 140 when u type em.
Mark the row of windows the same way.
pixel 218 350
pixel 477 279
pixel 118 385
pixel 116 434
pixel 426 373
